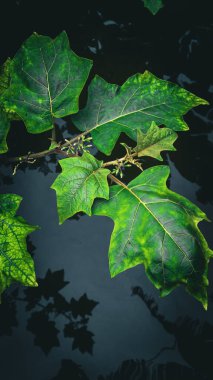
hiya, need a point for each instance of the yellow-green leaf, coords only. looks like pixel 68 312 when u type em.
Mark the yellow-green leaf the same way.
pixel 157 228
pixel 143 98
pixel 81 181
pixel 47 78
pixel 154 141
pixel 16 264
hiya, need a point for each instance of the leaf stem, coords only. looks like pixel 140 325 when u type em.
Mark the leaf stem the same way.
pixel 119 160
pixel 46 152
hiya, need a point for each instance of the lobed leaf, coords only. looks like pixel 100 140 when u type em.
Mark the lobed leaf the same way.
pixel 154 141
pixel 16 264
pixel 157 228
pixel 47 78
pixel 81 181
pixel 143 98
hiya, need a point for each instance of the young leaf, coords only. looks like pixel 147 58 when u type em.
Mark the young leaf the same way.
pixel 157 228
pixel 81 181
pixel 47 78
pixel 154 141
pixel 153 5
pixel 143 98
pixel 16 264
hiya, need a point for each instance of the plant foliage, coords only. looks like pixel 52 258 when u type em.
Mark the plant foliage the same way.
pixel 157 228
pixel 81 181
pixel 16 264
pixel 153 226
pixel 153 5
pixel 142 99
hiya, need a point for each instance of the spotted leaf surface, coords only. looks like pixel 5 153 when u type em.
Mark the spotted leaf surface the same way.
pixel 16 264
pixel 153 5
pixel 47 78
pixel 143 98
pixel 4 116
pixel 4 129
pixel 81 181
pixel 158 228
pixel 155 141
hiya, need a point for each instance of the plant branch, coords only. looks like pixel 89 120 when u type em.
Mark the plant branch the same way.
pixel 47 152
pixel 119 160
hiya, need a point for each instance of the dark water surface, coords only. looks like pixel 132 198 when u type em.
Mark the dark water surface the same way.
pixel 113 329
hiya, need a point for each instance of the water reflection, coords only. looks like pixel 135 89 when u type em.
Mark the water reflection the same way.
pixel 142 370
pixel 194 339
pixel 45 305
pixel 70 371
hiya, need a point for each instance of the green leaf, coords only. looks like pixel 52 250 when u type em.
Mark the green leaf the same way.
pixel 5 116
pixel 47 78
pixel 4 129
pixel 154 141
pixel 143 98
pixel 5 76
pixel 4 120
pixel 81 181
pixel 157 228
pixel 153 5
pixel 16 264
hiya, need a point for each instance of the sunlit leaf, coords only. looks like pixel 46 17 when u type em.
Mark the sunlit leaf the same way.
pixel 47 78
pixel 4 129
pixel 143 98
pixel 157 228
pixel 16 264
pixel 81 181
pixel 154 141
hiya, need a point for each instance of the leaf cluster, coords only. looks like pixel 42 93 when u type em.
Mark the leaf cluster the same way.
pixel 153 226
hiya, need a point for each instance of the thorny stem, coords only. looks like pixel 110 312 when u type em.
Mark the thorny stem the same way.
pixel 53 138
pixel 31 157
pixel 119 160
pixel 47 152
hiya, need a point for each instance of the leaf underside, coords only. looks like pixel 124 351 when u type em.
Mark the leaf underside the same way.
pixel 16 264
pixel 143 98
pixel 153 5
pixel 81 181
pixel 158 228
pixel 47 78
pixel 154 141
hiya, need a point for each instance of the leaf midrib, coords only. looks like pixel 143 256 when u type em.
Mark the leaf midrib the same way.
pixel 158 221
pixel 126 114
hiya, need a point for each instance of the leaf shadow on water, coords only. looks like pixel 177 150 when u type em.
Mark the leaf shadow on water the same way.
pixel 196 166
pixel 70 371
pixel 45 305
pixel 194 340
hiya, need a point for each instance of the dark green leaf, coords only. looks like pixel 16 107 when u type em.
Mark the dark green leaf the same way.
pixel 154 141
pixel 4 129
pixel 16 264
pixel 47 78
pixel 81 181
pixel 153 5
pixel 157 228
pixel 143 98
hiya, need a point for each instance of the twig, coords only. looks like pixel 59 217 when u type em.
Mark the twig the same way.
pixel 46 152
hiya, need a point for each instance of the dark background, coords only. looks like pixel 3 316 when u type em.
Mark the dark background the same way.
pixel 79 323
